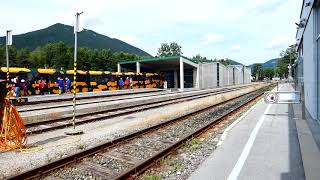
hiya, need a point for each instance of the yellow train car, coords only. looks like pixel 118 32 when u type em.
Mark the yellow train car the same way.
pixel 45 81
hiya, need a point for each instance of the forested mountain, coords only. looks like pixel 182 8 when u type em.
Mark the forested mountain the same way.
pixel 268 64
pixel 232 62
pixel 60 32
pixel 271 63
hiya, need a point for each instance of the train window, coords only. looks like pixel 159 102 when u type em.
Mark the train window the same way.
pixel 2 75
pixel 113 78
pixel 29 76
pixel 81 78
pixel 106 78
pixel 94 78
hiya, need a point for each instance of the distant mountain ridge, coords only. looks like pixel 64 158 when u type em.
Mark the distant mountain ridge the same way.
pixel 61 32
pixel 268 64
pixel 232 62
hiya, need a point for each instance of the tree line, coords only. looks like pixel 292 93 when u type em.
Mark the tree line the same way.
pixel 280 69
pixel 174 49
pixel 59 55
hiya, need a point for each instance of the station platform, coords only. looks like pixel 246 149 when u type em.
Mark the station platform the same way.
pixel 269 141
pixel 48 113
pixel 52 97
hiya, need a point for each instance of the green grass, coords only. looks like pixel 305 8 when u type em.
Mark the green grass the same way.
pixel 152 177
pixel 192 143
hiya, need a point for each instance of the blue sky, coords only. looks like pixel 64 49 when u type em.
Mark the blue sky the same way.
pixel 248 31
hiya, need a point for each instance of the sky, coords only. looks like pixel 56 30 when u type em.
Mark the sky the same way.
pixel 248 31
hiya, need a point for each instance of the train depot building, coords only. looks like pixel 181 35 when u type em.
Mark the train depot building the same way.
pixel 307 66
pixel 182 72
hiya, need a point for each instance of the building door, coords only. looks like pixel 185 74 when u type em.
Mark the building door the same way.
pixel 233 77
pixel 188 78
pixel 168 76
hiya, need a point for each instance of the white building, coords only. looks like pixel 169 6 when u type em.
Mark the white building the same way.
pixel 308 63
pixel 182 72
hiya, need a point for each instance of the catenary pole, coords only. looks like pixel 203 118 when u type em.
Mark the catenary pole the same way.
pixel 8 43
pixel 76 30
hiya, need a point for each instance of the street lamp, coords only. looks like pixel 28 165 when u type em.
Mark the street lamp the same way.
pixel 76 30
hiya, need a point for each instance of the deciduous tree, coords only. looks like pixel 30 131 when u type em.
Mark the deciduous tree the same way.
pixel 172 49
pixel 284 60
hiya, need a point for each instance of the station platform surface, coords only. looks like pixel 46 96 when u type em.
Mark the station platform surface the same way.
pixel 48 97
pixel 269 141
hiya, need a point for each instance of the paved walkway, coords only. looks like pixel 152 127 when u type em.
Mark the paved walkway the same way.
pixel 263 145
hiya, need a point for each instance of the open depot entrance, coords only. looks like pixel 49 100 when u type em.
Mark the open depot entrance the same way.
pixel 175 70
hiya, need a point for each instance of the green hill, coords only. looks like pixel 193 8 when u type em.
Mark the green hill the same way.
pixel 60 32
pixel 268 64
pixel 232 62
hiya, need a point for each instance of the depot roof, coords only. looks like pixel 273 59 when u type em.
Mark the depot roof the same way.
pixel 156 59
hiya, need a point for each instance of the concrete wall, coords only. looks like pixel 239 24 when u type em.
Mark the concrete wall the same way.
pixel 231 79
pixel 208 75
pixel 241 73
pixel 237 75
pixel 195 78
pixel 225 71
pixel 222 69
pixel 228 75
pixel 247 75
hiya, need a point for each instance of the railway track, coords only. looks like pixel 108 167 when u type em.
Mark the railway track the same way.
pixel 84 101
pixel 94 96
pixel 130 155
pixel 86 118
pixel 62 103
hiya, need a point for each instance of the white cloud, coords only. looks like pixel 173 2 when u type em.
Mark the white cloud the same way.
pixel 126 38
pixel 213 28
pixel 260 6
pixel 235 47
pixel 213 38
pixel 279 42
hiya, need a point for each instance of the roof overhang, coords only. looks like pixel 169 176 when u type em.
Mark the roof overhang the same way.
pixel 159 63
pixel 304 16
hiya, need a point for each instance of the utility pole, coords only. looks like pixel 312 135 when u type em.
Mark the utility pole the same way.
pixel 76 30
pixel 8 43
pixel 274 70
pixel 290 69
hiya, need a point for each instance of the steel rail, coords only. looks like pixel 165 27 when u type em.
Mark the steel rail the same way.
pixel 146 164
pixel 85 97
pixel 110 100
pixel 38 172
pixel 128 110
pixel 69 104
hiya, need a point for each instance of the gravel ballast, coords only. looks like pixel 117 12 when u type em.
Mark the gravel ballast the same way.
pixel 47 147
pixel 185 160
